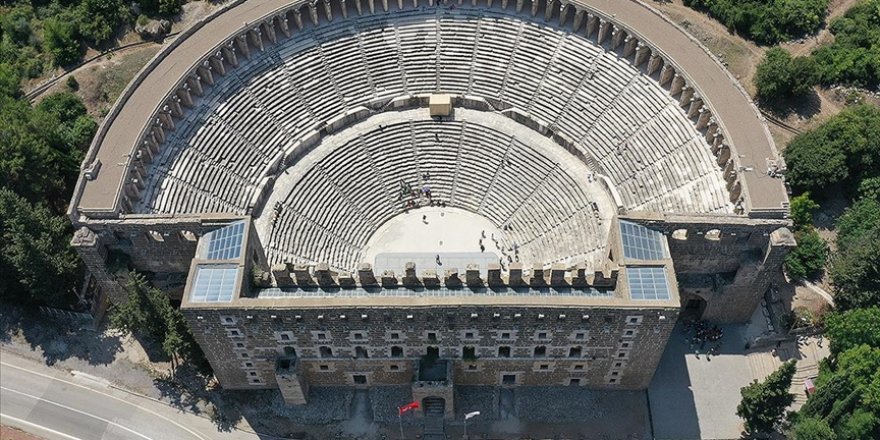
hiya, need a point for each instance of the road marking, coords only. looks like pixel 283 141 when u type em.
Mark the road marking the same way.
pixel 40 427
pixel 70 408
pixel 195 434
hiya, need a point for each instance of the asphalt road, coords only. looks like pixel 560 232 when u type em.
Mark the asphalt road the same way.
pixel 57 405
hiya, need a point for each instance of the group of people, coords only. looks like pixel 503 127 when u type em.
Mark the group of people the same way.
pixel 701 333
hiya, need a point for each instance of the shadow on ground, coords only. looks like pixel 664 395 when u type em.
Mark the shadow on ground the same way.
pixel 56 339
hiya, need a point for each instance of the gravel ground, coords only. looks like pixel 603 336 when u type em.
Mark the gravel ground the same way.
pixel 385 401
pixel 476 398
pixel 571 404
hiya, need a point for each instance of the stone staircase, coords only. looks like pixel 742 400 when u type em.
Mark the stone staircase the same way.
pixel 434 427
pixel 762 363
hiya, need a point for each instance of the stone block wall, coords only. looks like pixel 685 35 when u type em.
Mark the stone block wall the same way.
pixel 600 347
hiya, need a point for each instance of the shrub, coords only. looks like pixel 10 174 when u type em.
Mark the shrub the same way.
pixel 60 40
pixel 802 208
pixel 763 403
pixel 767 21
pixel 812 429
pixel 842 151
pixel 780 76
pixel 99 19
pixel 807 260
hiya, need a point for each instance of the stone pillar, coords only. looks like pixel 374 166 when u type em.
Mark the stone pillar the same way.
pixel 703 119
pixel 578 20
pixel 519 6
pixel 642 53
pixel 548 9
pixel 256 37
pixel 298 19
pixel 430 279
pixel 592 25
pixel 195 82
pixel 617 36
pixel 687 92
pixel 604 27
pixel 389 280
pixel 677 84
pixel 328 11
pixel 557 275
pixel 347 281
pixel 451 279
pixel 302 275
pixel 229 53
pixel 281 275
pixel 313 11
pixel 284 25
pixel 493 276
pixel 205 73
pixel 629 46
pixel 269 28
pixel 515 275
pixel 324 275
pixel 694 106
pixel 184 94
pixel 366 277
pixel 579 276
pixel 654 63
pixel 242 44
pixel 538 277
pixel 410 279
pixel 217 63
pixel 472 275
pixel 666 74
pixel 93 253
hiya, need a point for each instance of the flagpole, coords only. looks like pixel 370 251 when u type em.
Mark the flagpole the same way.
pixel 400 418
pixel 465 428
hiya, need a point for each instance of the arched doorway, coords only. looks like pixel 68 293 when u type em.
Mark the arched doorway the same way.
pixel 693 306
pixel 433 406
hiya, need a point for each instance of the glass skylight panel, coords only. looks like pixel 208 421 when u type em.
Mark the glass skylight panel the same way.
pixel 226 242
pixel 214 284
pixel 647 283
pixel 641 243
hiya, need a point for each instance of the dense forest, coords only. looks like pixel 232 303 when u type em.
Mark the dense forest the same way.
pixel 42 145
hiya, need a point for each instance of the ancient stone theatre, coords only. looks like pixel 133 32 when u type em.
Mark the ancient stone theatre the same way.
pixel 433 194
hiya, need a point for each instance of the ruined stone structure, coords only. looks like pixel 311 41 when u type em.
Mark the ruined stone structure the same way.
pixel 435 194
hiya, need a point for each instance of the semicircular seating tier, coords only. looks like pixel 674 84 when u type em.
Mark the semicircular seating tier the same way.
pixel 326 209
pixel 621 120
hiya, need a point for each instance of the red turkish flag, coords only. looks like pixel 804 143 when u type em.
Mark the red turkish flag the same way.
pixel 408 407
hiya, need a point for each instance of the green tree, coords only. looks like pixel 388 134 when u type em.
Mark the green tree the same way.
pixel 807 260
pixel 10 81
pixel 147 312
pixel 855 268
pixel 842 151
pixel 99 19
pixel 763 403
pixel 37 264
pixel 860 425
pixel 855 273
pixel 766 21
pixel 853 328
pixel 812 429
pixel 856 222
pixel 870 188
pixel 165 8
pixel 853 58
pixel 60 39
pixel 779 76
pixel 802 208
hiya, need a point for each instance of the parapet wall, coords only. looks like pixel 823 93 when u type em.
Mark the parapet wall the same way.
pixel 516 276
